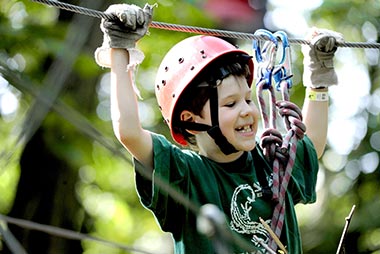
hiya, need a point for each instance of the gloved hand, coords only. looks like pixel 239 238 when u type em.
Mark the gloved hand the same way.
pixel 318 61
pixel 130 23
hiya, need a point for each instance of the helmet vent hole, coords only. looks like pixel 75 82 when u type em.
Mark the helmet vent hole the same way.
pixel 181 60
pixel 166 68
pixel 163 82
pixel 158 87
pixel 203 54
pixel 173 95
pixel 192 68
pixel 160 108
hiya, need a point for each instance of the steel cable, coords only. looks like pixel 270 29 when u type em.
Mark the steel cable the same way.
pixel 65 233
pixel 193 29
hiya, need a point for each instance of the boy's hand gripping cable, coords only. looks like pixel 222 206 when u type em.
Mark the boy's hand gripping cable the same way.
pixel 278 150
pixel 193 29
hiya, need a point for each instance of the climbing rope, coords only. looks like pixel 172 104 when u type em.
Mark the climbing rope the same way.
pixel 193 29
pixel 281 151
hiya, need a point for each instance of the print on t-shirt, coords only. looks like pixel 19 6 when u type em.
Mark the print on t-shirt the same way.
pixel 243 220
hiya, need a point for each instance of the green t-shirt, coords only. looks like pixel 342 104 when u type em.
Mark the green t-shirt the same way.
pixel 233 187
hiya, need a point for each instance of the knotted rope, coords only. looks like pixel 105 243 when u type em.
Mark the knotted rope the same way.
pixel 193 29
pixel 278 150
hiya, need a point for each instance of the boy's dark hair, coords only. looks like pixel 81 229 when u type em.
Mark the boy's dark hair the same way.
pixel 195 96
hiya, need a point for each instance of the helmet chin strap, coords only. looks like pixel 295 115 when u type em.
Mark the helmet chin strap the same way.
pixel 215 132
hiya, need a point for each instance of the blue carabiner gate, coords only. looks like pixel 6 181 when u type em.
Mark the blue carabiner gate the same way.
pixel 283 71
pixel 265 57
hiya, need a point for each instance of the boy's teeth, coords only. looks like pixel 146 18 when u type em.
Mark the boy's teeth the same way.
pixel 245 129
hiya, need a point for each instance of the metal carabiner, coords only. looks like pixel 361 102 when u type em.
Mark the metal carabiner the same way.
pixel 283 71
pixel 265 57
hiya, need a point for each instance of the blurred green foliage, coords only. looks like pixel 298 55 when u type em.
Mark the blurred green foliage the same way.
pixel 32 37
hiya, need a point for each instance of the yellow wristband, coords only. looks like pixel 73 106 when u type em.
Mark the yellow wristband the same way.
pixel 317 96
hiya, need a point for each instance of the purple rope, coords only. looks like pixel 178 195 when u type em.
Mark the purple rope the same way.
pixel 296 129
pixel 281 153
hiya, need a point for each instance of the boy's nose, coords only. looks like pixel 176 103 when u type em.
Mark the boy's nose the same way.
pixel 246 109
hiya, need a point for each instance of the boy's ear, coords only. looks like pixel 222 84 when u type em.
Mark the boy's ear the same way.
pixel 187 116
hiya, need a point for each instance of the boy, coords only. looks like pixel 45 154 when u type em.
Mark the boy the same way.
pixel 203 88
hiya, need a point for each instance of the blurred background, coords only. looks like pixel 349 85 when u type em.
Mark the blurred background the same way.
pixel 60 164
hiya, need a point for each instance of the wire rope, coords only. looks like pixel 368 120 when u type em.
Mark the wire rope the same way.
pixel 194 29
pixel 65 233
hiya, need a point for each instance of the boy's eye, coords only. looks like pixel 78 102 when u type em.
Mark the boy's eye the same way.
pixel 248 101
pixel 230 104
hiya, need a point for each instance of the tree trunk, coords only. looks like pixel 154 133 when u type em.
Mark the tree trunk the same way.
pixel 45 194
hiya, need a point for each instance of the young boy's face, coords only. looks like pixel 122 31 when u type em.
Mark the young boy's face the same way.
pixel 238 115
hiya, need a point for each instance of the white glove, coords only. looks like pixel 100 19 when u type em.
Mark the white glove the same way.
pixel 318 61
pixel 130 23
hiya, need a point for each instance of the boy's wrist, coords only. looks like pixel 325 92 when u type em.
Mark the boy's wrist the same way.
pixel 319 89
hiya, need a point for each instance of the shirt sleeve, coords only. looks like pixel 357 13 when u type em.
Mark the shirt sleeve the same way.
pixel 304 173
pixel 169 176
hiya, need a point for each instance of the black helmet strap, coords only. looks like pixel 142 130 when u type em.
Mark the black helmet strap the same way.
pixel 215 132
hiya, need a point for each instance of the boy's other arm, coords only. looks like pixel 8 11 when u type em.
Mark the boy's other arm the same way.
pixel 315 117
pixel 319 74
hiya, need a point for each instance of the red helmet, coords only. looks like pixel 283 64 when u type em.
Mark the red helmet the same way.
pixel 181 65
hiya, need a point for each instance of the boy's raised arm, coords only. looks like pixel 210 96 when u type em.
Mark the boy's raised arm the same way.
pixel 119 53
pixel 124 110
